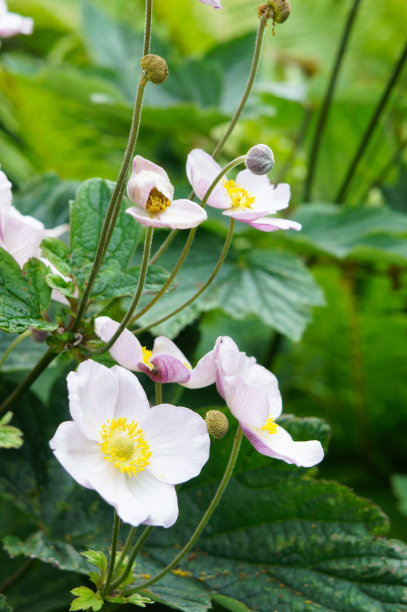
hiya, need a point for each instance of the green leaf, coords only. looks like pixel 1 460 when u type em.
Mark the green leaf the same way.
pixel 87 217
pixel 4 605
pixel 58 253
pixel 230 604
pixel 10 437
pixel 112 285
pixel 86 598
pixel 24 295
pixel 136 599
pixel 96 557
pixel 57 282
pixel 399 486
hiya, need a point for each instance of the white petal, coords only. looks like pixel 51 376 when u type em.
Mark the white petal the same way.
pixel 78 455
pixel 5 191
pixel 126 350
pixel 132 402
pixel 179 442
pixel 12 24
pixel 93 391
pixel 270 224
pixel 204 373
pixel 202 169
pixel 181 214
pixel 167 346
pixel 280 445
pixel 22 234
pixel 159 498
pixel 141 184
pixel 267 196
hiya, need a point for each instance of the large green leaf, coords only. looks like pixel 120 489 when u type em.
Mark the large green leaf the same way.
pixel 274 286
pixel 24 355
pixel 24 295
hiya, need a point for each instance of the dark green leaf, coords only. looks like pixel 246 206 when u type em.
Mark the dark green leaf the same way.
pixel 57 252
pixel 112 285
pixel 57 282
pixel 399 485
pixel 24 295
pixel 4 605
pixel 10 437
pixel 230 604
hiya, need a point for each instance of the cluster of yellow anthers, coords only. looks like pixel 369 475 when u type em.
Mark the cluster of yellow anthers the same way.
pixel 147 356
pixel 124 445
pixel 270 426
pixel 157 202
pixel 240 197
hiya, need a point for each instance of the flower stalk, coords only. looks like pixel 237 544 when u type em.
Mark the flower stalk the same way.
pixel 113 549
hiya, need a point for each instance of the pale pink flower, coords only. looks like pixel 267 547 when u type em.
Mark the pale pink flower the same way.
pixel 131 454
pixel 250 199
pixel 12 23
pixel 251 392
pixel 165 363
pixel 151 191
pixel 215 3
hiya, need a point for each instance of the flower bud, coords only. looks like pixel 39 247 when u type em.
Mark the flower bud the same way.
pixel 260 159
pixel 217 423
pixel 155 68
pixel 38 335
pixel 280 10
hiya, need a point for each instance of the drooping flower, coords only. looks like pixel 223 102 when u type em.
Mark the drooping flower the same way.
pixel 165 363
pixel 12 23
pixel 251 392
pixel 250 199
pixel 131 454
pixel 215 3
pixel 21 235
pixel 151 191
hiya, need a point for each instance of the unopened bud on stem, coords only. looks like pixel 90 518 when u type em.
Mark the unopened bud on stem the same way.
pixel 260 159
pixel 278 10
pixel 217 423
pixel 155 68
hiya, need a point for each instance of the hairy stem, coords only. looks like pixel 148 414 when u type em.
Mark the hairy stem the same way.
pixel 13 345
pixel 115 535
pixel 148 26
pixel 132 558
pixel 327 100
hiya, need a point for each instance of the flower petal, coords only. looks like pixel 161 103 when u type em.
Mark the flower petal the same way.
pixel 145 176
pixel 280 445
pixel 5 191
pixel 269 224
pixel 78 455
pixel 126 350
pixel 93 391
pixel 204 373
pixel 12 24
pixel 22 234
pixel 132 402
pixel 215 3
pixel 267 196
pixel 202 169
pixel 181 214
pixel 159 498
pixel 179 443
pixel 169 369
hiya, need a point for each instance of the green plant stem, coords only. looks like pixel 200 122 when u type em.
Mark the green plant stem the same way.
pixel 13 345
pixel 141 281
pixel 204 286
pixel 113 549
pixel 18 574
pixel 132 558
pixel 395 159
pixel 252 75
pixel 372 125
pixel 210 510
pixel 315 147
pixel 126 547
pixel 148 26
pixel 158 393
pixel 164 246
pixel 115 202
pixel 28 380
pixel 190 238
pixel 299 139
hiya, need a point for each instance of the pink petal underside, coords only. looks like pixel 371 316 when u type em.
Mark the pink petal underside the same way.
pixel 202 169
pixel 167 346
pixel 215 3
pixel 126 350
pixel 181 214
pixel 5 191
pixel 269 224
pixel 22 235
pixel 168 369
pixel 248 403
pixel 140 163
pixel 204 373
pixel 280 445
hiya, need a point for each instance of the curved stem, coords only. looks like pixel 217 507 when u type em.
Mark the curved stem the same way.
pixel 132 558
pixel 327 100
pixel 126 547
pixel 190 238
pixel 142 278
pixel 372 125
pixel 252 75
pixel 210 510
pixel 112 560
pixel 204 286
pixel 164 245
pixel 13 345
pixel 115 202
pixel 28 380
pixel 158 393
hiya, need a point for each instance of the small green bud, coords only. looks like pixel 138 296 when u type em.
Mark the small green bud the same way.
pixel 155 68
pixel 278 10
pixel 260 159
pixel 217 424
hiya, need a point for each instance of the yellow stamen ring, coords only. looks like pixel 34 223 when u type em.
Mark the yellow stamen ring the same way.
pixel 270 426
pixel 147 356
pixel 157 202
pixel 124 445
pixel 240 197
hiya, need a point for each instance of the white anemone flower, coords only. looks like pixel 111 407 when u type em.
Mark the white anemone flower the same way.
pixel 12 23
pixel 131 454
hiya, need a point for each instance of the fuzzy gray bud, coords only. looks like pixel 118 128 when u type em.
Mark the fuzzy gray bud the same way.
pixel 260 159
pixel 155 68
pixel 217 423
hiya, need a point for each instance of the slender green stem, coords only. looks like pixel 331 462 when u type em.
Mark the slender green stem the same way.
pixel 252 75
pixel 126 547
pixel 13 345
pixel 315 147
pixel 190 238
pixel 147 26
pixel 158 393
pixel 115 202
pixel 113 549
pixel 386 169
pixel 28 380
pixel 18 574
pixel 204 286
pixel 299 139
pixel 210 510
pixel 132 558
pixel 164 246
pixel 141 281
pixel 372 125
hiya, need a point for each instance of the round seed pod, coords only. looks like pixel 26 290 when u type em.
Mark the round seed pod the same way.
pixel 155 68
pixel 280 10
pixel 260 159
pixel 217 424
